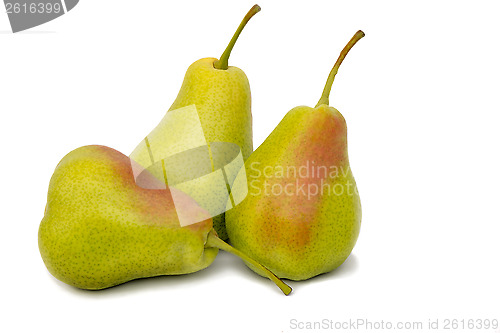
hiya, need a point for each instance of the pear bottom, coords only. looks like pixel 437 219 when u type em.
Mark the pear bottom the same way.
pixel 98 257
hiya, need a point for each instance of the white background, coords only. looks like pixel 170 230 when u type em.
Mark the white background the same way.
pixel 420 94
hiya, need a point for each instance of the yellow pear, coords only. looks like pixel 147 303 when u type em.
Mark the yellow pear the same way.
pixel 220 95
pixel 302 215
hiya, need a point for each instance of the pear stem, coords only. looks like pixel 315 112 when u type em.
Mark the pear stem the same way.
pixel 222 63
pixel 325 97
pixel 214 241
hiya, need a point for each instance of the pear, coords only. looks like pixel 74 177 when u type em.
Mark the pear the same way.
pixel 302 215
pixel 221 95
pixel 101 229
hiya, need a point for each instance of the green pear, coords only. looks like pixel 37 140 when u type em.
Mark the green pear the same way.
pixel 302 215
pixel 101 229
pixel 221 95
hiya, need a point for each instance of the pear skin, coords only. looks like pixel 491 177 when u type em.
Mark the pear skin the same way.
pixel 302 215
pixel 222 98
